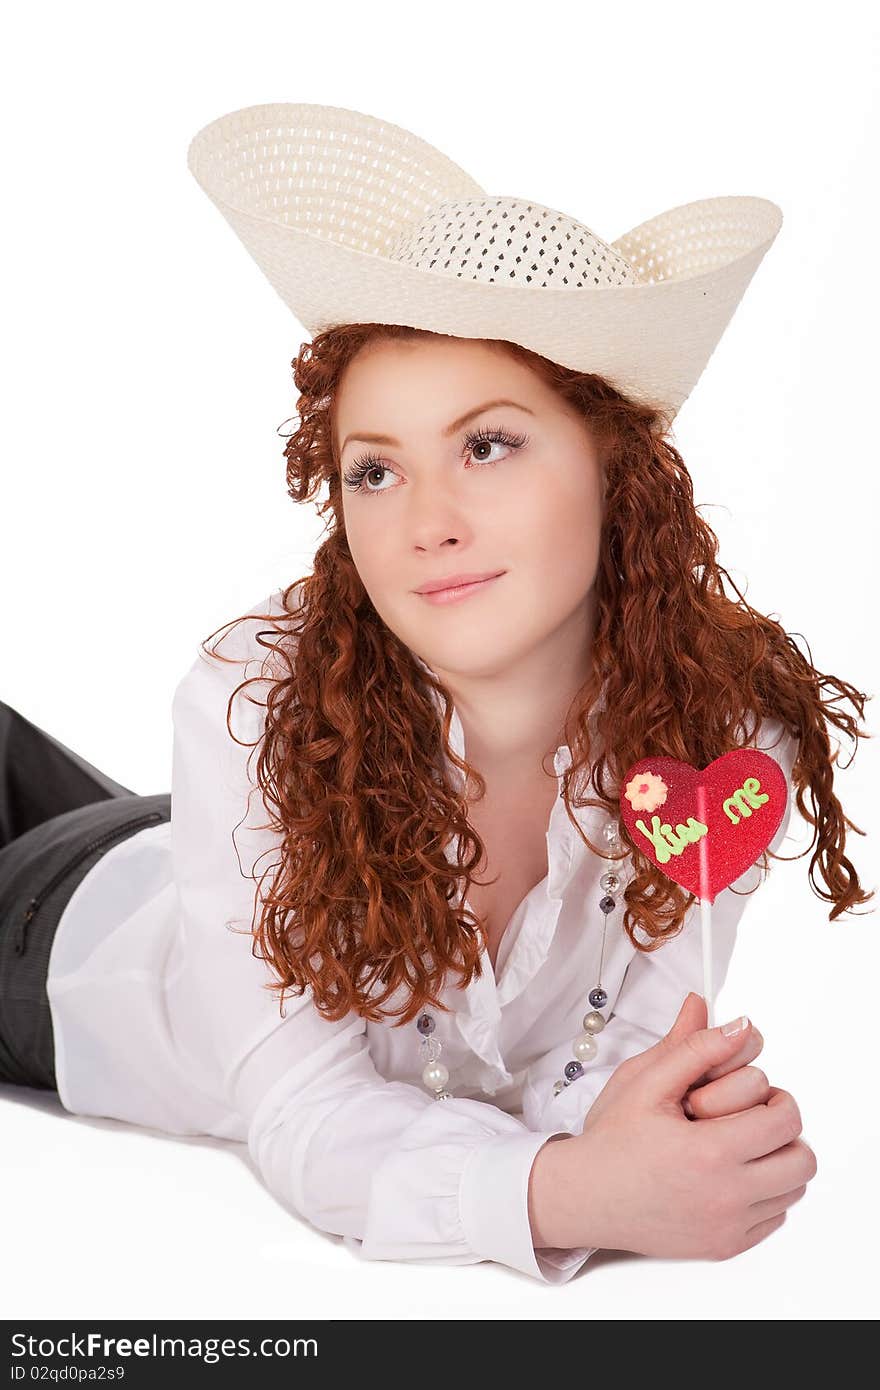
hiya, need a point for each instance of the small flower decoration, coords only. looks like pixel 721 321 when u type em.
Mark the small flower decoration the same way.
pixel 646 792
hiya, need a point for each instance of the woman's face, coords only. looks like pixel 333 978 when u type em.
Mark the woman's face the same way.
pixel 515 488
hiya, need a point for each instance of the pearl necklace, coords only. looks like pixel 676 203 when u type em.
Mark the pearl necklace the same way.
pixel 435 1074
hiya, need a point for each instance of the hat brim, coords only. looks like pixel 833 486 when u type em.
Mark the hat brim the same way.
pixel 652 340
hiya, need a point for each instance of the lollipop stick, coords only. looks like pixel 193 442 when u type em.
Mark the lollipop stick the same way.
pixel 706 912
pixel 706 923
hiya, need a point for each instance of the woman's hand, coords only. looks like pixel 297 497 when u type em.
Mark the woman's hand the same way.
pixel 731 1086
pixel 704 1098
pixel 643 1177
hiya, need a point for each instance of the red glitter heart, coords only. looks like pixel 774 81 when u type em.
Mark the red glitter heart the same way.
pixel 704 829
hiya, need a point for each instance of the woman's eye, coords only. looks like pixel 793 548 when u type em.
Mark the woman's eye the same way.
pixel 488 445
pixel 478 443
pixel 365 469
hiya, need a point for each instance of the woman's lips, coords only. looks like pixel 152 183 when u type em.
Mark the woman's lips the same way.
pixel 460 591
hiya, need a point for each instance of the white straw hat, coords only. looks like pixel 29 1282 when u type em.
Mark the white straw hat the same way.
pixel 355 220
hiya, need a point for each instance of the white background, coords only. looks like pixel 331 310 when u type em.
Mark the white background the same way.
pixel 146 366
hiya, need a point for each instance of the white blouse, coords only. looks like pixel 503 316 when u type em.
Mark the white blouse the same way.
pixel 161 1016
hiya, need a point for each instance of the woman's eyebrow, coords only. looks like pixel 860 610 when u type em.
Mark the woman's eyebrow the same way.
pixel 363 438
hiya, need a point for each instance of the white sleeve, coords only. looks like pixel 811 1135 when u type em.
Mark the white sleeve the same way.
pixel 400 1175
pixel 655 983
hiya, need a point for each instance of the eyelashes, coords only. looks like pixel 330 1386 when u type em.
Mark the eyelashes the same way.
pixel 365 463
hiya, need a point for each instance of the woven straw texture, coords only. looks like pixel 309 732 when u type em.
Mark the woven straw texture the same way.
pixel 355 220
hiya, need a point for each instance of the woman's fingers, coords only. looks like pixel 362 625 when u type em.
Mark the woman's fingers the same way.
pixel 752 1045
pixel 738 1090
pixel 781 1171
pixel 772 1206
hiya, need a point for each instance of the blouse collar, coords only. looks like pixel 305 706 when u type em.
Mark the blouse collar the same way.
pixel 478 1012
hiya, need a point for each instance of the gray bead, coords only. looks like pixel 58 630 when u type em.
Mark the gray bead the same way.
pixel 609 883
pixel 598 998
pixel 607 904
pixel 593 1022
pixel 425 1024
pixel 557 1087
pixel 573 1069
pixel 443 1095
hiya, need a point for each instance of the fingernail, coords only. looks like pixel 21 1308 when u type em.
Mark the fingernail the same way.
pixel 736 1025
pixel 688 1108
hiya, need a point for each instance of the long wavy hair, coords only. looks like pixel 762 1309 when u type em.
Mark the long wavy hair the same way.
pixel 354 764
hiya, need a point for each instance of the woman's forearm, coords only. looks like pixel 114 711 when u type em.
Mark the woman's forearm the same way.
pixel 555 1206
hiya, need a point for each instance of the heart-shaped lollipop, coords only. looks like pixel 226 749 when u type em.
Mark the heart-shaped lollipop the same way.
pixel 704 829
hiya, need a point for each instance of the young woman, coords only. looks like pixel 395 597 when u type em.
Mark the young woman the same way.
pixel 390 870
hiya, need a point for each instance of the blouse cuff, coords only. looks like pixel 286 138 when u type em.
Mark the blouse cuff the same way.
pixel 494 1208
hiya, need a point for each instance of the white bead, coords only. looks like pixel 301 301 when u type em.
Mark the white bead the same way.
pixel 585 1047
pixel 435 1075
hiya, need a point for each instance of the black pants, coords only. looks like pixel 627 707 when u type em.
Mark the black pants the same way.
pixel 58 815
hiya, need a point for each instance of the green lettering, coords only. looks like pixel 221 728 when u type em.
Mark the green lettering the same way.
pixel 667 841
pixel 739 806
pixel 752 789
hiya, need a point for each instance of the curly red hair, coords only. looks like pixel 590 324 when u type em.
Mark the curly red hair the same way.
pixel 351 758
